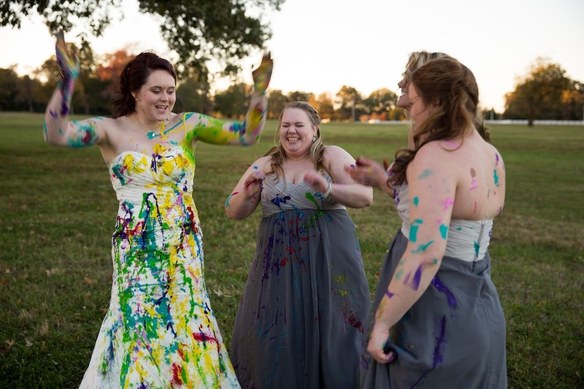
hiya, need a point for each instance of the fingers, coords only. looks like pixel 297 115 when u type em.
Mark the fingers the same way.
pixel 68 61
pixel 263 74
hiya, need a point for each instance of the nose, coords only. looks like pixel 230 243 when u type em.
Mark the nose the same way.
pixel 402 84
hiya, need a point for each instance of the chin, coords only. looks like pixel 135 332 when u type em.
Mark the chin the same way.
pixel 402 102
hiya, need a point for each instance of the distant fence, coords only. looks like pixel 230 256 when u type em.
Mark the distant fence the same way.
pixel 512 122
pixel 536 122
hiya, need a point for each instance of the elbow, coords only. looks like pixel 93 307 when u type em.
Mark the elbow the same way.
pixel 231 213
pixel 367 199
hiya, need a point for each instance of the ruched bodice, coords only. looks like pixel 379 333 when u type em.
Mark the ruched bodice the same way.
pixel 279 195
pixel 467 239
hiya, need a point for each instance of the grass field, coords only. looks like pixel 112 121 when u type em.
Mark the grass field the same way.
pixel 57 213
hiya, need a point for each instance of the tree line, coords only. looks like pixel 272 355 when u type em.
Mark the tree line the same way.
pixel 226 34
pixel 544 93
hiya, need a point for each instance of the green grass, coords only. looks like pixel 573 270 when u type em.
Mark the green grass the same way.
pixel 57 212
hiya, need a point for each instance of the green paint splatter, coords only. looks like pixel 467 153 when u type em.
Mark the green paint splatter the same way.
pixel 421 248
pixel 443 231
pixel 426 173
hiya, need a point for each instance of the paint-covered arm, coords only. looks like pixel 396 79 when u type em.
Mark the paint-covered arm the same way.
pixel 246 195
pixel 58 129
pixel 432 189
pixel 344 189
pixel 248 132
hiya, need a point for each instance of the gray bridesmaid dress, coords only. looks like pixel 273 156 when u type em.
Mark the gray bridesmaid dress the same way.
pixel 454 335
pixel 300 322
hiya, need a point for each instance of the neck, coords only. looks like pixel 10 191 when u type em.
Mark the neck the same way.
pixel 148 125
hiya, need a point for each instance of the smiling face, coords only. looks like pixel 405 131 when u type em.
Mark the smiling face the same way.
pixel 296 132
pixel 156 98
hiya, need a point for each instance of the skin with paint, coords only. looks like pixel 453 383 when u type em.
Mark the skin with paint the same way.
pixel 148 120
pixel 297 134
pixel 160 330
pixel 451 172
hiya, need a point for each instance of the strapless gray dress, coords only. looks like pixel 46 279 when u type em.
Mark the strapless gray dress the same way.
pixel 454 335
pixel 300 322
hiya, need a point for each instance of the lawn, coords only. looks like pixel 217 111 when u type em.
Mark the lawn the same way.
pixel 57 213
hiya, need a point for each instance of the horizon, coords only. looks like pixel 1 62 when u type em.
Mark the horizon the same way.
pixel 323 58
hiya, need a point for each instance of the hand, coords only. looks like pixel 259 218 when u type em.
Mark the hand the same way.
pixel 263 74
pixel 68 62
pixel 253 185
pixel 367 172
pixel 317 181
pixel 379 337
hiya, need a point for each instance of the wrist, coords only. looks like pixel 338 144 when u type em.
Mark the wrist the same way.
pixel 329 189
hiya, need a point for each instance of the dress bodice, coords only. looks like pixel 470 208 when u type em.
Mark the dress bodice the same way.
pixel 279 195
pixel 167 171
pixel 467 239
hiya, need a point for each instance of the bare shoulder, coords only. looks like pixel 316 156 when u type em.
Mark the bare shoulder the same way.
pixel 262 163
pixel 335 153
pixel 433 152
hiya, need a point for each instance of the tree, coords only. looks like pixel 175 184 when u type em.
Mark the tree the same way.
pixel 299 96
pixel 193 96
pixel 198 30
pixel 573 102
pixel 233 102
pixel 538 95
pixel 30 95
pixel 380 102
pixel 350 103
pixel 9 85
pixel 276 103
pixel 324 105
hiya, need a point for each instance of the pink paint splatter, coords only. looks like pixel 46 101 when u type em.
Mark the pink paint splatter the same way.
pixel 448 203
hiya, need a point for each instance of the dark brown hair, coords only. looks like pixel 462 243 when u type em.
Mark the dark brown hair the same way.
pixel 134 75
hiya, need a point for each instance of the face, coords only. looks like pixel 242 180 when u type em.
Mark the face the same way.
pixel 296 132
pixel 156 97
pixel 419 111
pixel 402 101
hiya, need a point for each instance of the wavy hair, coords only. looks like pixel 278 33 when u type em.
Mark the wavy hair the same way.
pixel 419 58
pixel 278 154
pixel 134 75
pixel 451 88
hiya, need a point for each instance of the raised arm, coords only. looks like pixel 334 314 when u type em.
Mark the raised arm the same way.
pixel 432 189
pixel 58 129
pixel 211 130
pixel 246 195
pixel 344 190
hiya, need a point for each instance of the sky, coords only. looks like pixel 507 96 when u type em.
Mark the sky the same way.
pixel 320 45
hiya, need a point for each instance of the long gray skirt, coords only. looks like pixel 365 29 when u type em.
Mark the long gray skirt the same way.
pixel 300 322
pixel 453 336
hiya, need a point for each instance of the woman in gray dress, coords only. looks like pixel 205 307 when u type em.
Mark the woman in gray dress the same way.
pixel 438 322
pixel 300 321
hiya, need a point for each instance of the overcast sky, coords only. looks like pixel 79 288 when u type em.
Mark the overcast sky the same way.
pixel 320 45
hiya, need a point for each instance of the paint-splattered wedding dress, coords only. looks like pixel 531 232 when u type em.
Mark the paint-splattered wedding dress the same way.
pixel 300 321
pixel 160 330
